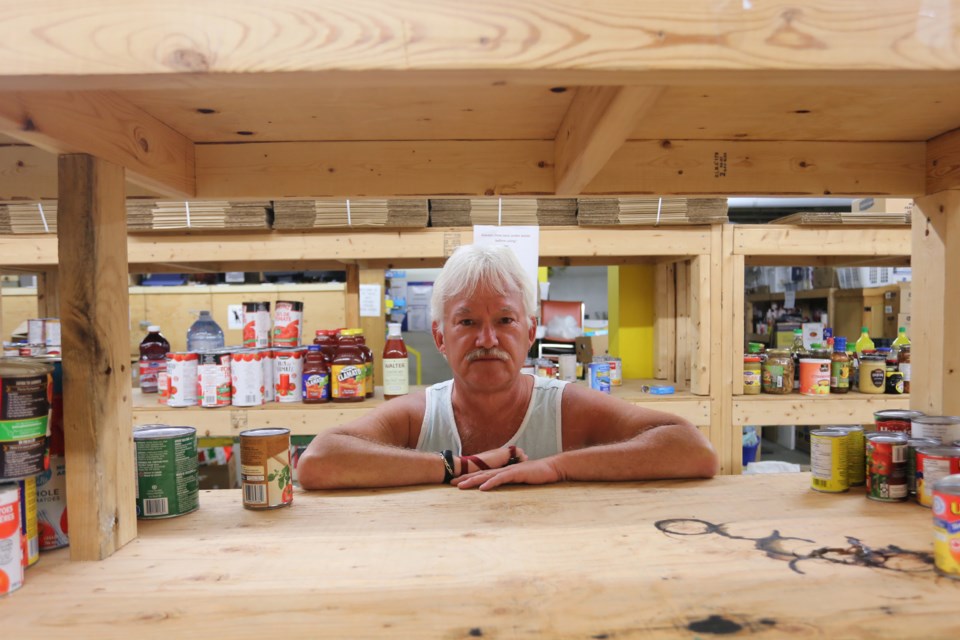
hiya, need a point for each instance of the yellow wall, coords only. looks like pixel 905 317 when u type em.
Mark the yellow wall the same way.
pixel 630 295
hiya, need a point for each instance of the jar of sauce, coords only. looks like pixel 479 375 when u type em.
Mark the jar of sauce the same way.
pixel 751 374
pixel 777 372
pixel 903 364
pixel 873 373
pixel 839 367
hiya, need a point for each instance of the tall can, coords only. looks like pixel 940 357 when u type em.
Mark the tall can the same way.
pixel 11 550
pixel 287 323
pixel 266 477
pixel 598 374
pixel 28 521
pixel 616 370
pixel 246 376
pixel 256 325
pixel 52 505
pixel 167 482
pixel 828 461
pixel 213 378
pixel 934 464
pixel 947 428
pixel 26 389
pixel 912 445
pixel 946 526
pixel 267 361
pixel 856 460
pixel 288 374
pixel 887 466
pixel 183 381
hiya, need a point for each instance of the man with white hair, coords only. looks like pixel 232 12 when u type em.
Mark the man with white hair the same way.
pixel 491 424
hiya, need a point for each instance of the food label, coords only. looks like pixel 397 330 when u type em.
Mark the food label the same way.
pixel 396 376
pixel 288 372
pixel 52 505
pixel 266 476
pixel 28 521
pixel 11 551
pixel 287 318
pixel 24 406
pixel 167 482
pixel 828 463
pixel 946 533
pixel 346 381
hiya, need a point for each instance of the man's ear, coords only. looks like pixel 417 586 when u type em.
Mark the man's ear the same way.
pixel 532 334
pixel 438 337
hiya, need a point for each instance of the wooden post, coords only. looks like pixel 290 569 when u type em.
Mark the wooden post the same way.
pixel 351 306
pixel 935 353
pixel 48 294
pixel 96 382
pixel 726 436
pixel 664 322
pixel 374 328
pixel 701 308
pixel 682 307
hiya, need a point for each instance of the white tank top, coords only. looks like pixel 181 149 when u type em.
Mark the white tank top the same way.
pixel 539 434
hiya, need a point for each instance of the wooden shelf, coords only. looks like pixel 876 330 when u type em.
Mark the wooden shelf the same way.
pixel 850 408
pixel 306 420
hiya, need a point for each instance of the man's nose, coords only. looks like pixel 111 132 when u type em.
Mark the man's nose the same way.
pixel 487 336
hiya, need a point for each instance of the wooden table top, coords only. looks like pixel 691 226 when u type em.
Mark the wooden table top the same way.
pixel 745 554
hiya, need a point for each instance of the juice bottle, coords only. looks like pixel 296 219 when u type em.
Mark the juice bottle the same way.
pixel 316 376
pixel 900 340
pixel 864 343
pixel 346 371
pixel 153 359
pixel 367 363
pixel 797 351
pixel 396 376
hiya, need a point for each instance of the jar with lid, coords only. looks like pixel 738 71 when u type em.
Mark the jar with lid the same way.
pixel 777 372
pixel 316 376
pixel 903 365
pixel 839 367
pixel 752 372
pixel 873 373
pixel 346 371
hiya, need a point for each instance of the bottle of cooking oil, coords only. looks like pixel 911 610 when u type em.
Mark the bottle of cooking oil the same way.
pixel 864 343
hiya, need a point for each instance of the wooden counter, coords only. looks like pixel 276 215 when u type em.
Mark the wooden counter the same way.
pixel 574 561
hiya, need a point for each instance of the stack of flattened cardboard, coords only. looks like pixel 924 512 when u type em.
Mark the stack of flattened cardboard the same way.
pixel 370 212
pixel 555 212
pixel 651 210
pixel 149 215
pixel 28 217
pixel 464 212
pixel 845 217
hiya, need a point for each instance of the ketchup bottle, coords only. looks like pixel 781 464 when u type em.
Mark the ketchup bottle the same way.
pixel 153 359
pixel 396 370
pixel 316 376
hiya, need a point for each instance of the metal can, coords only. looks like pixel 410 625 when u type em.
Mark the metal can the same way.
pixel 30 541
pixel 856 462
pixel 183 385
pixel 895 419
pixel 946 428
pixel 912 445
pixel 11 549
pixel 887 467
pixel 933 464
pixel 598 373
pixel 946 526
pixel 828 461
pixel 26 389
pixel 213 378
pixel 256 325
pixel 616 371
pixel 815 376
pixel 246 376
pixel 287 323
pixel 167 482
pixel 288 374
pixel 267 361
pixel 265 470
pixel 52 505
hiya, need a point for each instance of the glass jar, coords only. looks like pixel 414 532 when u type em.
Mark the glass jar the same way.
pixel 903 365
pixel 751 374
pixel 873 373
pixel 778 372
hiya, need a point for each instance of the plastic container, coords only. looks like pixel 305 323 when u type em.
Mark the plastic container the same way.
pixel 316 376
pixel 839 367
pixel 204 334
pixel 153 359
pixel 368 363
pixel 346 371
pixel 396 367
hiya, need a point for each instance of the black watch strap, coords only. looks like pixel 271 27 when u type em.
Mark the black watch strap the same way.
pixel 447 456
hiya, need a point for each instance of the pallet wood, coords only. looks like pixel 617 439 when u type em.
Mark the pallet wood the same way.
pixel 665 321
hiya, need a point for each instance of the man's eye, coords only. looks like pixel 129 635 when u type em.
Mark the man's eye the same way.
pixel 507 320
pixel 467 322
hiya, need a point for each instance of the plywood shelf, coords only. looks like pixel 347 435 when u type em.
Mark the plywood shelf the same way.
pixel 850 408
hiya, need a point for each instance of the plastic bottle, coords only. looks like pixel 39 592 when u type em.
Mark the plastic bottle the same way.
pixel 327 340
pixel 204 334
pixel 864 343
pixel 153 359
pixel 316 376
pixel 797 351
pixel 900 340
pixel 368 363
pixel 839 366
pixel 396 367
pixel 346 371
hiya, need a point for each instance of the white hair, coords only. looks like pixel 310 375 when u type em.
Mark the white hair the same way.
pixel 473 266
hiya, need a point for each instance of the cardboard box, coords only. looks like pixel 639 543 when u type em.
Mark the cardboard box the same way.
pixel 589 346
pixel 882 205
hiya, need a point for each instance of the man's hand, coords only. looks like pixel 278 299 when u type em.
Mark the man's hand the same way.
pixel 530 472
pixel 494 458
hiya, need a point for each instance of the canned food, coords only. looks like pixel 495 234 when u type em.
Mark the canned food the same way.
pixel 183 379
pixel 213 378
pixel 167 482
pixel 934 464
pixel 946 526
pixel 11 549
pixel 616 371
pixel 26 389
pixel 828 461
pixel 946 428
pixel 30 541
pixel 886 455
pixel 267 361
pixel 265 471
pixel 246 375
pixel 895 419
pixel 288 374
pixel 598 374
pixel 52 505
pixel 287 321
pixel 815 376
pixel 856 463
pixel 912 445
pixel 256 325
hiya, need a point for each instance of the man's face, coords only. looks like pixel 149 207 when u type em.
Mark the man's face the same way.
pixel 486 337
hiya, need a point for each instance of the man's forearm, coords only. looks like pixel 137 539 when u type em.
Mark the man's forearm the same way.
pixel 339 461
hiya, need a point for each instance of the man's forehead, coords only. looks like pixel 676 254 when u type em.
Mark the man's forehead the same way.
pixel 508 301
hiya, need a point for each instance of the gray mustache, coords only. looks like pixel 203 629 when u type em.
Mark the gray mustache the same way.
pixel 476 354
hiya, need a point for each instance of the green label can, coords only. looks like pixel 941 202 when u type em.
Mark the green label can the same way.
pixel 26 389
pixel 828 461
pixel 167 484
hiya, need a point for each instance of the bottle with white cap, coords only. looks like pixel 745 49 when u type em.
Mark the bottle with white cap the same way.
pixel 396 370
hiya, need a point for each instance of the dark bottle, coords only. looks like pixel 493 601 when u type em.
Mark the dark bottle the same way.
pixel 346 371
pixel 316 376
pixel 153 359
pixel 327 339
pixel 368 362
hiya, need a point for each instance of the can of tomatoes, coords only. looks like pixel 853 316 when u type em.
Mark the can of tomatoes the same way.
pixel 934 464
pixel 946 526
pixel 256 325
pixel 267 362
pixel 895 419
pixel 182 388
pixel 912 445
pixel 213 378
pixel 11 548
pixel 287 323
pixel 266 477
pixel 887 466
pixel 246 376
pixel 28 521
pixel 288 374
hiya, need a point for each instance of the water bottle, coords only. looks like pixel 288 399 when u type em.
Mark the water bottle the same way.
pixel 204 334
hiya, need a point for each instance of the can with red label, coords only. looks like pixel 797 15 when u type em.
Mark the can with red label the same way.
pixel 28 521
pixel 213 378
pixel 288 374
pixel 182 387
pixel 287 323
pixel 933 464
pixel 895 419
pixel 163 388
pixel 11 550
pixel 912 445
pixel 946 526
pixel 52 505
pixel 256 325
pixel 246 375
pixel 267 362
pixel 886 456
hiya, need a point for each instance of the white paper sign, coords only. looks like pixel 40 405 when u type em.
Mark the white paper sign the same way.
pixel 789 299
pixel 370 297
pixel 525 242
pixel 235 316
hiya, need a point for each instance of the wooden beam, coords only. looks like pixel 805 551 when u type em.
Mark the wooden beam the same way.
pixel 785 240
pixel 374 327
pixel 48 293
pixel 727 438
pixel 351 304
pixel 597 123
pixel 478 168
pixel 96 363
pixel 943 162
pixel 106 126
pixel 935 353
pixel 665 322
pixel 682 373
pixel 700 340
pixel 219 37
